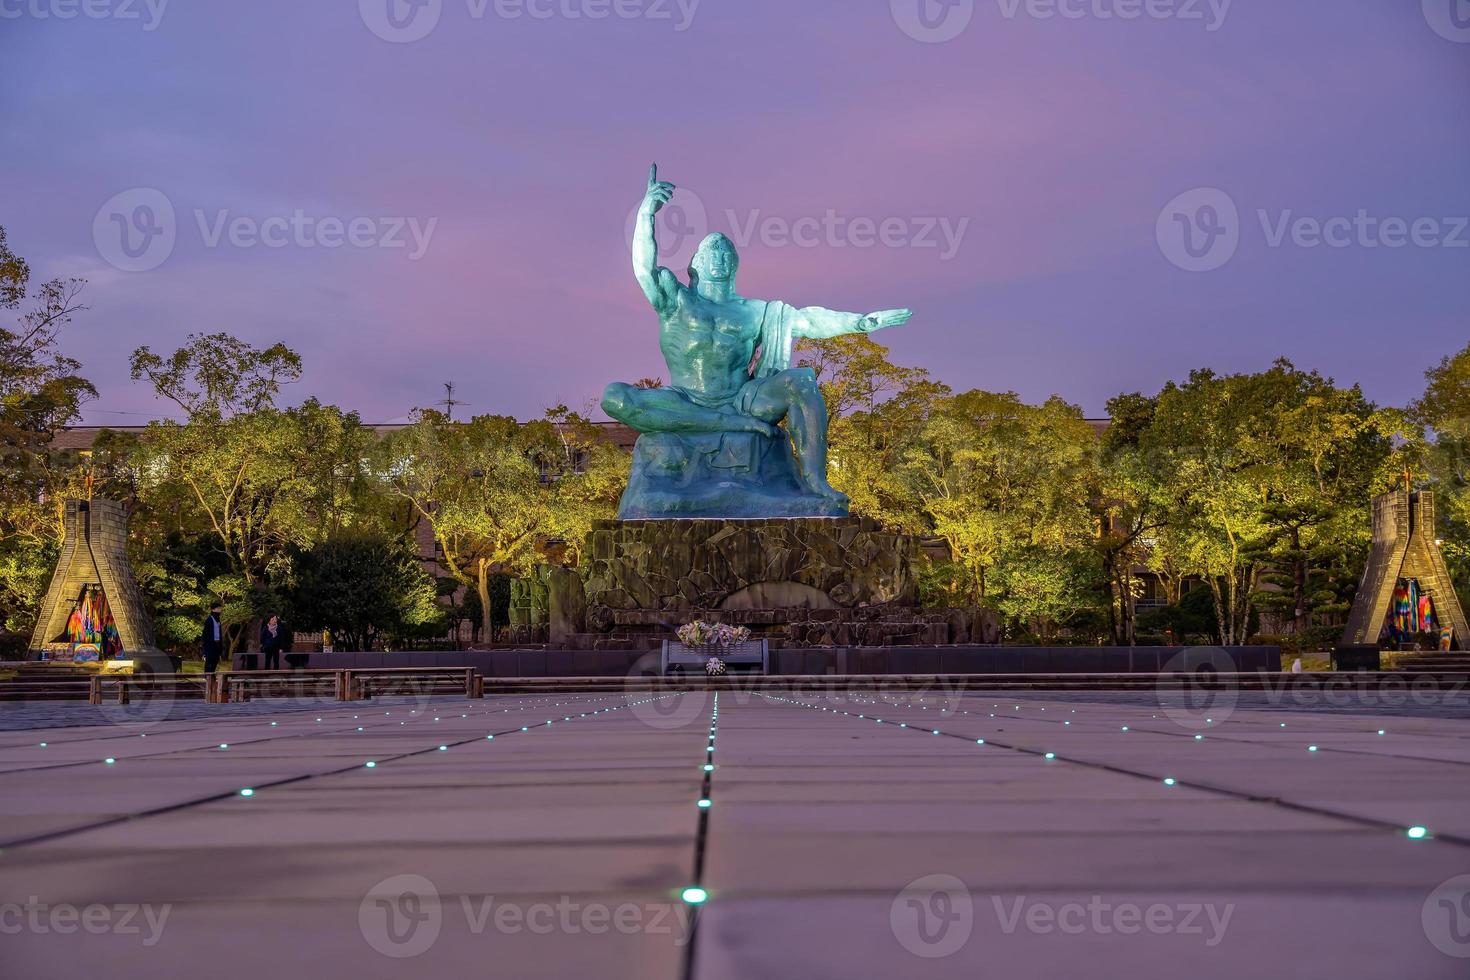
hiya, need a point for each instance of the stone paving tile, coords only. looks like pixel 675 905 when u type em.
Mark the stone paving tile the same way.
pixel 1302 936
pixel 267 871
pixel 335 940
pixel 819 825
pixel 1064 814
pixel 772 863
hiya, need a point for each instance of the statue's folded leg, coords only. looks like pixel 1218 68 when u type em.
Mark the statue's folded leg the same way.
pixel 670 410
pixel 793 395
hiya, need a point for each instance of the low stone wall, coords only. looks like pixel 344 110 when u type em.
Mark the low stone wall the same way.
pixel 857 661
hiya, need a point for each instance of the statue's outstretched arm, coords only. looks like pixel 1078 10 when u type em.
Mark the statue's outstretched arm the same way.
pixel 820 324
pixel 659 284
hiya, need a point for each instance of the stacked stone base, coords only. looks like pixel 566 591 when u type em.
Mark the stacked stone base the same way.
pixel 803 582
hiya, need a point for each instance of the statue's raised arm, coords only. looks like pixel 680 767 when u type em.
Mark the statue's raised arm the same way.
pixel 659 284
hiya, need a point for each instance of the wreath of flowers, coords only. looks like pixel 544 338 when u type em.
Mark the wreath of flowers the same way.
pixel 702 634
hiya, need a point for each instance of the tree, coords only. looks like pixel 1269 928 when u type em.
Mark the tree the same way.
pixel 1264 477
pixel 1444 462
pixel 1003 483
pixel 40 392
pixel 586 475
pixel 1045 586
pixel 360 586
pixel 876 411
pixel 259 481
pixel 479 486
pixel 1128 502
pixel 217 375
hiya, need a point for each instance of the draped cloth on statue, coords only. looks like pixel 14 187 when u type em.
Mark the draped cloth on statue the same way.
pixel 778 338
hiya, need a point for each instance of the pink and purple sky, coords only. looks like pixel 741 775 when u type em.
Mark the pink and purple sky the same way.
pixel 1019 184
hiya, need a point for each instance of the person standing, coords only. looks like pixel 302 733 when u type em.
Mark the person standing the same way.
pixel 212 638
pixel 272 638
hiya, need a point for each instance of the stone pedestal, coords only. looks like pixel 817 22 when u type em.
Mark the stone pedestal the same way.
pixel 719 475
pixel 804 563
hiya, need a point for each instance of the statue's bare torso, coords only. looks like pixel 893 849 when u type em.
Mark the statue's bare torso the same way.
pixel 708 344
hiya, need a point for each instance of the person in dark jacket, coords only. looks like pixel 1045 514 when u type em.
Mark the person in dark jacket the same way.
pixel 272 640
pixel 212 638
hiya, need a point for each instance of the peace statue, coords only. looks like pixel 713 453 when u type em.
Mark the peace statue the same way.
pixel 711 443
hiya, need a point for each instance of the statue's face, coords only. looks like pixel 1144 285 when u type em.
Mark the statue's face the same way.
pixel 715 261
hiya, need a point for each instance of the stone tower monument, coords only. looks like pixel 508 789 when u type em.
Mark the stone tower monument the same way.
pixel 94 608
pixel 1404 550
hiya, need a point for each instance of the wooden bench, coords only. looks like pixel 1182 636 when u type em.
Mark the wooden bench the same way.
pixel 124 687
pixel 33 689
pixel 228 686
pixel 366 683
pixel 354 684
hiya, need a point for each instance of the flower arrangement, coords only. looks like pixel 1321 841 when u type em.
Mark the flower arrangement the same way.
pixel 702 634
pixel 714 667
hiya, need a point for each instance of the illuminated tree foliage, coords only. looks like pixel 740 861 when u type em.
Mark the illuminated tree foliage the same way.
pixel 40 393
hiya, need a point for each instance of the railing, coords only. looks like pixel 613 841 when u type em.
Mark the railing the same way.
pixel 226 687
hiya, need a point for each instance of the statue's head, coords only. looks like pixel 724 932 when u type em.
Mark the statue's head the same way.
pixel 714 261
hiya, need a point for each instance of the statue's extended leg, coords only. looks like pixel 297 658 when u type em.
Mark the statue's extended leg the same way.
pixel 794 395
pixel 665 410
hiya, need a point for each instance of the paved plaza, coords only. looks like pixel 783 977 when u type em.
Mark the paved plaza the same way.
pixel 970 836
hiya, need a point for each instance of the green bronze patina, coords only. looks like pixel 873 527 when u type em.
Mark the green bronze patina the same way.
pixel 712 445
